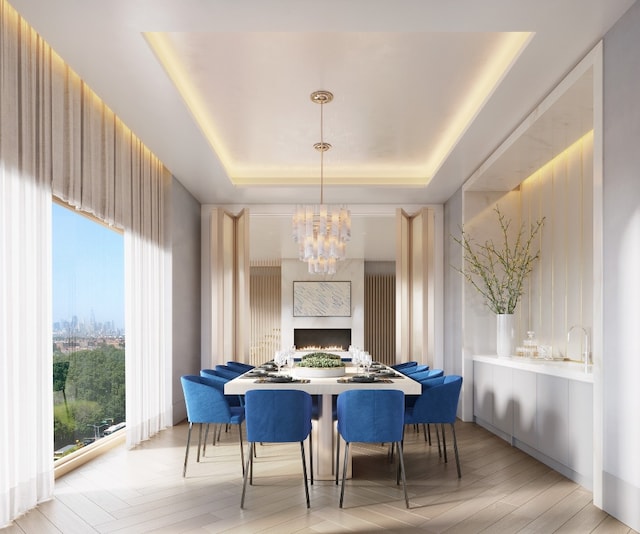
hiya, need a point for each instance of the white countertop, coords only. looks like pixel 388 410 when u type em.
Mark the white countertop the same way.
pixel 562 369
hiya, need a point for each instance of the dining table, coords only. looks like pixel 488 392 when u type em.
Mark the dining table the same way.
pixel 324 438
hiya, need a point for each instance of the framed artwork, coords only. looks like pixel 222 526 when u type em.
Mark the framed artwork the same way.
pixel 322 299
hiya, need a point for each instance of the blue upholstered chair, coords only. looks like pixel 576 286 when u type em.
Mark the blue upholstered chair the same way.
pixel 438 405
pixel 277 416
pixel 421 376
pixel 227 372
pixel 218 380
pixel 403 365
pixel 414 369
pixel 206 404
pixel 371 416
pixel 240 367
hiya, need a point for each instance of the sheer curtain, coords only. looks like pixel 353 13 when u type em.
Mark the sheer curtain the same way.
pixel 26 401
pixel 56 136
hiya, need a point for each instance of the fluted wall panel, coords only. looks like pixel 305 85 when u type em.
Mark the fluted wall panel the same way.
pixel 380 317
pixel 265 304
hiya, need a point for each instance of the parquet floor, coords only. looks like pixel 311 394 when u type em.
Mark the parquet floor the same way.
pixel 502 490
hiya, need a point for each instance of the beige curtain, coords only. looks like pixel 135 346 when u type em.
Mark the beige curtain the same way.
pixel 57 136
pixel 26 398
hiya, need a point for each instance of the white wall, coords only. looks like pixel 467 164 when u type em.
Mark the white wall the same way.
pixel 185 258
pixel 347 270
pixel 621 295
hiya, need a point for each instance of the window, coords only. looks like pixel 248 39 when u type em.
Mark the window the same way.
pixel 88 330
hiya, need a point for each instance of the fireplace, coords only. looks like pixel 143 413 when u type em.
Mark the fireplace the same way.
pixel 322 338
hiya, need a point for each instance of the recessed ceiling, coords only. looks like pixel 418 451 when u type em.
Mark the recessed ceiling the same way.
pixel 402 72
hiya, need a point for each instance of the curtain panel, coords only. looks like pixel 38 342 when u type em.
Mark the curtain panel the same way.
pixel 56 136
pixel 26 353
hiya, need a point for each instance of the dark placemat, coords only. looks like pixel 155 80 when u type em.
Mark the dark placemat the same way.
pixel 376 380
pixel 274 380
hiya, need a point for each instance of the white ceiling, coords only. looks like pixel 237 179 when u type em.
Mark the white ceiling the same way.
pixel 425 90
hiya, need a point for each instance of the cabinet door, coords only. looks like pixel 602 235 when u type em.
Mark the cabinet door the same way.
pixel 552 417
pixel 524 407
pixel 503 399
pixel 483 391
pixel 581 428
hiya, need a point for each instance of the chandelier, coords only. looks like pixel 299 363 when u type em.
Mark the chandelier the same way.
pixel 321 230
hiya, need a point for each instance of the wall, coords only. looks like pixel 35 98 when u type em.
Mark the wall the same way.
pixel 347 270
pixel 185 254
pixel 621 236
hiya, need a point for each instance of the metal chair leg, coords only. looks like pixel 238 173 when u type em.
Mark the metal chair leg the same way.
pixel 186 452
pixel 444 443
pixel 199 442
pixel 304 472
pixel 337 456
pixel 455 449
pixel 248 468
pixel 404 480
pixel 344 471
pixel 241 448
pixel 206 435
pixel 438 438
pixel 311 454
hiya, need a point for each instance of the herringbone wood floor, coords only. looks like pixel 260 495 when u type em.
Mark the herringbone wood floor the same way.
pixel 502 490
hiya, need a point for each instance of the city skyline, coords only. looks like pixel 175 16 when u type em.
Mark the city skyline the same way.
pixel 88 270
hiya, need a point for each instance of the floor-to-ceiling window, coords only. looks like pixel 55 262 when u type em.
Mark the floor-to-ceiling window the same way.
pixel 88 330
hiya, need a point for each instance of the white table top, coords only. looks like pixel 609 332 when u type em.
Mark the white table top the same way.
pixel 320 386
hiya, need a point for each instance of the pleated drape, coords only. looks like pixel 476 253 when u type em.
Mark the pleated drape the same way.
pixel 57 136
pixel 26 354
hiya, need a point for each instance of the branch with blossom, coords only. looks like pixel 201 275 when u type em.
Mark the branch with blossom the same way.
pixel 498 274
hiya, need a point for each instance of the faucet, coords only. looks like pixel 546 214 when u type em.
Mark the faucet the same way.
pixel 585 346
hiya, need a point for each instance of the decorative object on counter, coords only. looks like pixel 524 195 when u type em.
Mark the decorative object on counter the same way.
pixel 505 334
pixel 498 273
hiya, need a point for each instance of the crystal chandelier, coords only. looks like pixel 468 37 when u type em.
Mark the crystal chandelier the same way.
pixel 321 231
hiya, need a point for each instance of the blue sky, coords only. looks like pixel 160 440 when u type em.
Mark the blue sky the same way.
pixel 88 269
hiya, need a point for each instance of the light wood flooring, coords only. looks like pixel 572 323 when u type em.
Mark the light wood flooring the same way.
pixel 502 490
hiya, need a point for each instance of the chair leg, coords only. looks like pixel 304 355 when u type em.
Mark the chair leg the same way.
pixel 344 471
pixel 199 442
pixel 311 454
pixel 241 448
pixel 455 449
pixel 438 439
pixel 337 456
pixel 444 443
pixel 186 452
pixel 404 480
pixel 248 468
pixel 206 435
pixel 304 472
pixel 427 433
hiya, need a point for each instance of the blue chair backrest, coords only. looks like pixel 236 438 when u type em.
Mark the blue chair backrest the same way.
pixel 277 416
pixel 427 375
pixel 403 365
pixel 214 377
pixel 205 403
pixel 371 415
pixel 414 369
pixel 238 366
pixel 439 400
pixel 227 372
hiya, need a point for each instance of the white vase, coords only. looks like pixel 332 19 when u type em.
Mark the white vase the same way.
pixel 505 334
